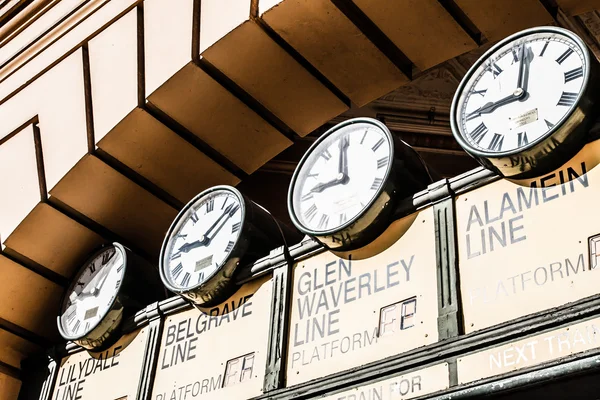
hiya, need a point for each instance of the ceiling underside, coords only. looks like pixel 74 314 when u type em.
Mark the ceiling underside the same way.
pixel 115 113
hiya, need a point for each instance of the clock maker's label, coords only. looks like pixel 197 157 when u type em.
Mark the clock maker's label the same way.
pixel 217 353
pixel 407 386
pixel 531 246
pixel 534 350
pixel 347 313
pixel 111 374
pixel 525 118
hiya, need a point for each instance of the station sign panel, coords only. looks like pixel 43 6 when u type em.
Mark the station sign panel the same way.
pixel 346 313
pixel 114 373
pixel 534 350
pixel 529 246
pixel 218 352
pixel 408 386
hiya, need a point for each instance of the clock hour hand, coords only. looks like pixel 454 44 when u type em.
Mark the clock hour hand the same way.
pixel 488 108
pixel 84 294
pixel 322 186
pixel 186 247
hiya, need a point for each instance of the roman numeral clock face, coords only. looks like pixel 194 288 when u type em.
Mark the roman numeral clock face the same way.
pixel 340 177
pixel 520 92
pixel 92 293
pixel 202 239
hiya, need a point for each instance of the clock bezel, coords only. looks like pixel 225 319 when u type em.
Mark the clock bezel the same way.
pixel 204 293
pixel 100 331
pixel 530 153
pixel 374 198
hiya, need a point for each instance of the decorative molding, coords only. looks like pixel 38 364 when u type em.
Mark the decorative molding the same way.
pixel 591 22
pixel 279 167
pixel 434 88
pixel 151 352
pixel 446 251
pixel 279 326
pixel 430 123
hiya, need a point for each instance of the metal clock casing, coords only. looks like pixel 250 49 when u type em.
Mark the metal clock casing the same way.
pixel 567 135
pixel 405 175
pixel 138 286
pixel 258 233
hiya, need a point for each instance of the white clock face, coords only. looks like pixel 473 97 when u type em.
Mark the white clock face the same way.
pixel 340 177
pixel 520 92
pixel 202 239
pixel 93 293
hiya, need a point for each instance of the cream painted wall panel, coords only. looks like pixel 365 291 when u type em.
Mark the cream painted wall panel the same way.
pixel 422 29
pixel 161 156
pixel 38 297
pixel 249 57
pixel 219 18
pixel 576 7
pixel 57 98
pixel 30 33
pixel 62 46
pixel 219 118
pixel 113 73
pixel 13 348
pixel 498 19
pixel 264 5
pixel 323 35
pixel 109 198
pixel 18 180
pixel 9 387
pixel 53 240
pixel 168 39
pixel 60 93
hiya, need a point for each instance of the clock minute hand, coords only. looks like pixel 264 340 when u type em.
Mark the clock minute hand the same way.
pixel 343 166
pixel 97 288
pixel 205 237
pixel 209 238
pixel 106 272
pixel 524 74
pixel 186 247
pixel 521 64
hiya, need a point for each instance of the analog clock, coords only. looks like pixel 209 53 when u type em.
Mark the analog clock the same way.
pixel 95 302
pixel 214 233
pixel 347 185
pixel 525 105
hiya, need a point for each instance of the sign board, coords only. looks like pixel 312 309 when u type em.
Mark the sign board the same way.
pixel 413 384
pixel 534 350
pixel 217 353
pixel 529 246
pixel 111 374
pixel 346 313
